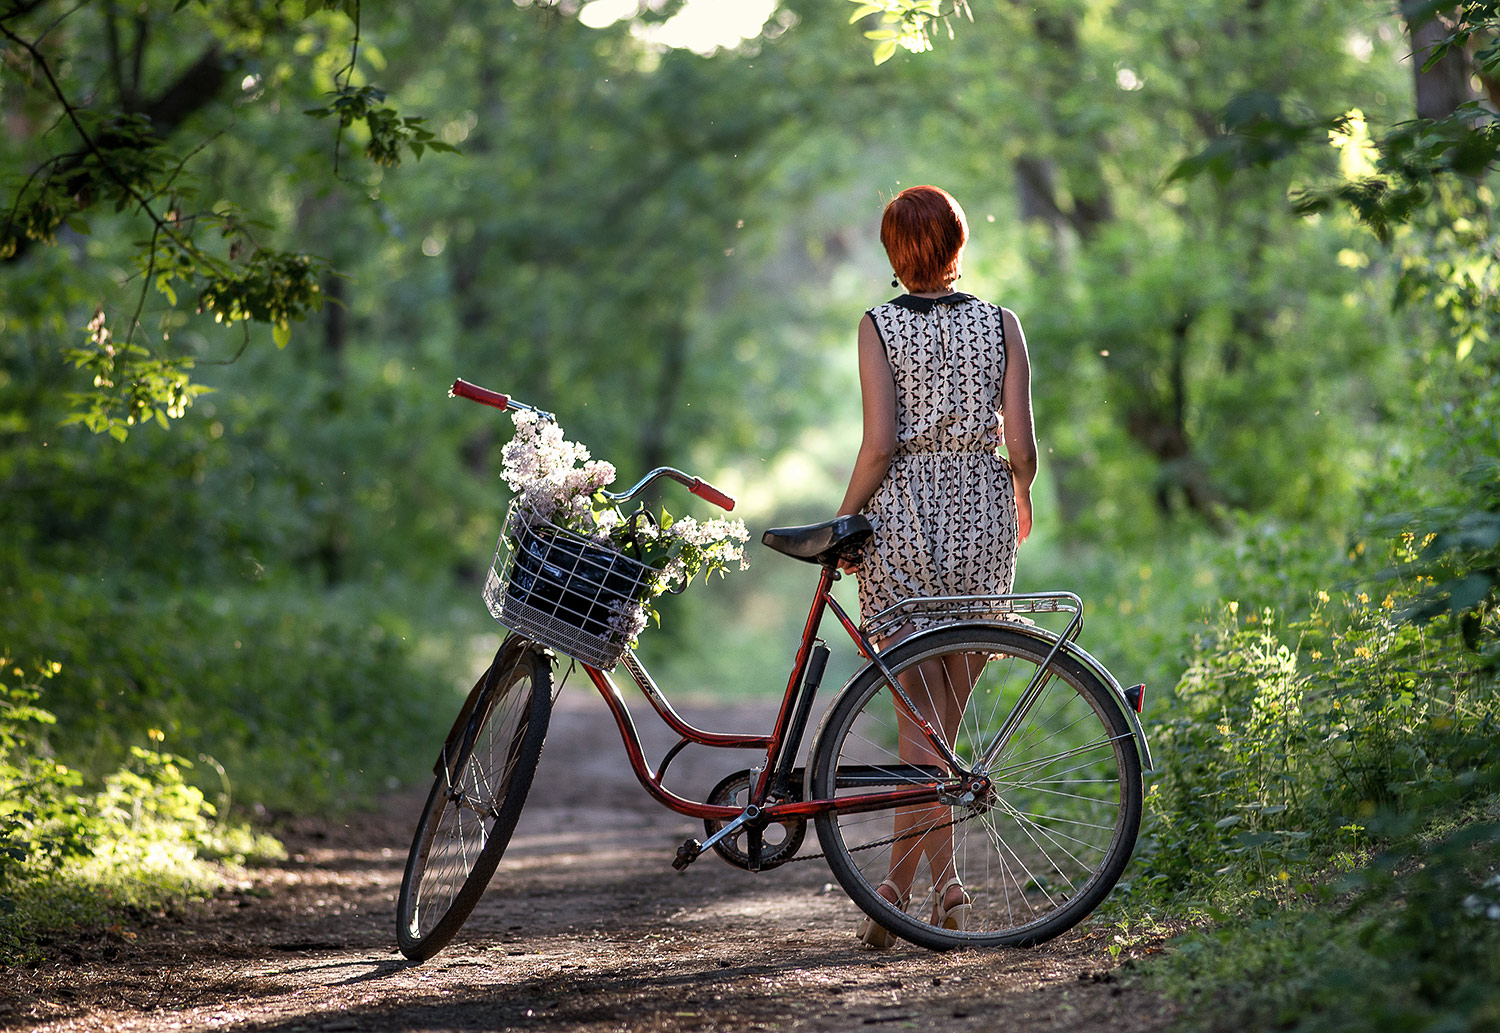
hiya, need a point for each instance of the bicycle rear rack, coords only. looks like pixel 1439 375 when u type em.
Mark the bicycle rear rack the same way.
pixel 978 607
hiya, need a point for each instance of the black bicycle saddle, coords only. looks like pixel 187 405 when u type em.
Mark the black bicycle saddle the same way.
pixel 826 543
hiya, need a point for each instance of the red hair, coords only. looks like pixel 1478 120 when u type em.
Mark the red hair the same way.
pixel 924 232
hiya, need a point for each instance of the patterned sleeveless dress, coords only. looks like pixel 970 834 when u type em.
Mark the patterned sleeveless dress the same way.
pixel 945 515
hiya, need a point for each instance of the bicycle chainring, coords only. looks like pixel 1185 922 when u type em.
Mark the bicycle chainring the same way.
pixel 780 839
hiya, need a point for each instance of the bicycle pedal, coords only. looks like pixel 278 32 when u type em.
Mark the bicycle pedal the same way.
pixel 687 853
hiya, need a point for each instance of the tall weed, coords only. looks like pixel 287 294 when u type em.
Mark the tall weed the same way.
pixel 74 852
pixel 1287 738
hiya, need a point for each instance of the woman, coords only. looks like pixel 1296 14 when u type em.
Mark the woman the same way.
pixel 945 383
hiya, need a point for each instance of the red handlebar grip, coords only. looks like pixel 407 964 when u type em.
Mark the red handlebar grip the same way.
pixel 704 490
pixel 475 393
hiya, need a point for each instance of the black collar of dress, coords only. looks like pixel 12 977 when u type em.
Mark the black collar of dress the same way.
pixel 916 304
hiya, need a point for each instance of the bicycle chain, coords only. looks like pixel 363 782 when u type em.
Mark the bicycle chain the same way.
pixel 882 842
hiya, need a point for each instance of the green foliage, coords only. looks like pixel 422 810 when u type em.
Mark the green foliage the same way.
pixel 130 385
pixel 310 703
pixel 1288 738
pixel 72 852
pixel 387 130
pixel 1414 161
pixel 1327 799
pixel 43 823
pixel 108 148
pixel 1470 23
pixel 904 23
pixel 1257 131
pixel 1459 563
pixel 1412 942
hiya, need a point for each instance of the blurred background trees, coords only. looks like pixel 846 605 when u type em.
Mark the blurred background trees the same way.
pixel 238 510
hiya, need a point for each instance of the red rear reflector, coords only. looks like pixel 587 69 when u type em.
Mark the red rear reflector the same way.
pixel 1136 697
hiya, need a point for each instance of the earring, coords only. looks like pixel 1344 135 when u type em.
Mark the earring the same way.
pixel 895 282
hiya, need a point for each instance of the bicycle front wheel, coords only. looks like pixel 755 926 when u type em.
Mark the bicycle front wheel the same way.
pixel 1039 848
pixel 481 785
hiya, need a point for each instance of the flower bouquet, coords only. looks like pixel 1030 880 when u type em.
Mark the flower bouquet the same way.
pixel 575 573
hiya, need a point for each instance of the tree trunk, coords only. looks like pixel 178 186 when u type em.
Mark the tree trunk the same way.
pixel 1444 87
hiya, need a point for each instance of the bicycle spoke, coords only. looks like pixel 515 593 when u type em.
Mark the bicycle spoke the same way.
pixel 1058 822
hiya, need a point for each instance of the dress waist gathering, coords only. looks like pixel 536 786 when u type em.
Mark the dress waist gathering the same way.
pixel 977 449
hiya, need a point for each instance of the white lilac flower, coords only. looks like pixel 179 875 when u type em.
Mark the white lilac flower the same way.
pixel 628 621
pixel 674 573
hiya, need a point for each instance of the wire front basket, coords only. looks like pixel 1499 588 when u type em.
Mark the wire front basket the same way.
pixel 566 591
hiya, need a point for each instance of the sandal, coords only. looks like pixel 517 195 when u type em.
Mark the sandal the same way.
pixel 870 932
pixel 955 917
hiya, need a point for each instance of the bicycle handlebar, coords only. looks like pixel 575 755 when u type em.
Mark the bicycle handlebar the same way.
pixel 697 485
pixel 704 490
pixel 463 389
pixel 484 396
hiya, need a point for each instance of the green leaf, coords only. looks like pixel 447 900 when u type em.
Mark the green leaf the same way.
pixel 1469 591
pixel 281 333
pixel 864 11
pixel 884 51
pixel 1227 823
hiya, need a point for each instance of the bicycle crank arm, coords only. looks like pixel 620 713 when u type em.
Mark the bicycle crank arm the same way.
pixel 690 849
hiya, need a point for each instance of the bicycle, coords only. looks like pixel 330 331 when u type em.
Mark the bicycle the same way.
pixel 1034 785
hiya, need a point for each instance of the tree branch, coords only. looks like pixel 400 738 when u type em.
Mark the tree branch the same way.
pixel 194 89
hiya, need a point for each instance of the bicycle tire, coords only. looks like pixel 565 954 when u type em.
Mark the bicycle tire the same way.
pixel 1038 852
pixel 475 800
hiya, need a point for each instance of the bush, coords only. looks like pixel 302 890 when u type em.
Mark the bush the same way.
pixel 1328 797
pixel 1287 738
pixel 1410 941
pixel 42 822
pixel 73 855
pixel 304 696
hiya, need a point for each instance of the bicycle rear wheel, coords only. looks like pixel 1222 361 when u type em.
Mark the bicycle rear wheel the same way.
pixel 483 778
pixel 1038 850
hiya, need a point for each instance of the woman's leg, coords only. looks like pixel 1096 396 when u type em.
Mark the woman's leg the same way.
pixel 940 691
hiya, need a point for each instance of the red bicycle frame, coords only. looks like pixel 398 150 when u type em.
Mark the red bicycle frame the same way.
pixel 780 745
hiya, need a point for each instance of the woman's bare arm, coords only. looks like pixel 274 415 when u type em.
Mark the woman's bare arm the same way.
pixel 877 388
pixel 1020 432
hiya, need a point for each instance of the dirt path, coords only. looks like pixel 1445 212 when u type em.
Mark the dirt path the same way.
pixel 585 927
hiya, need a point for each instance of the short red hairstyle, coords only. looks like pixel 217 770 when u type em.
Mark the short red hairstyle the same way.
pixel 924 232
